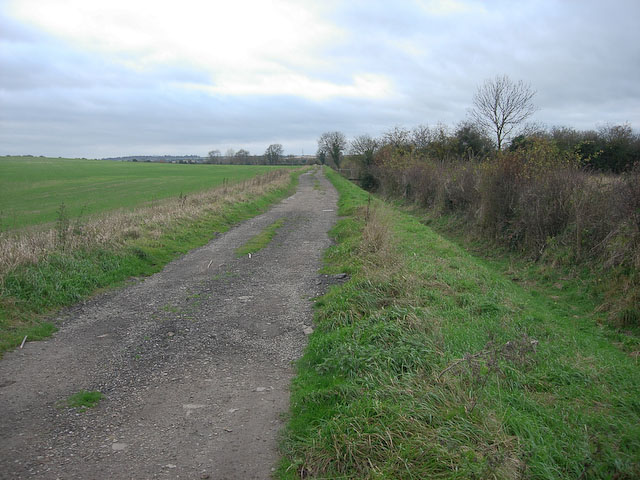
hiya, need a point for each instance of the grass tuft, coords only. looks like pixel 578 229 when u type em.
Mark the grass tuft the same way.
pixel 84 399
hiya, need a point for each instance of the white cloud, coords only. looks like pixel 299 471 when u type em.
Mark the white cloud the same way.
pixel 366 86
pixel 246 47
pixel 450 7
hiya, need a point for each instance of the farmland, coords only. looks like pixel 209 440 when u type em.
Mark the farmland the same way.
pixel 33 188
pixel 47 266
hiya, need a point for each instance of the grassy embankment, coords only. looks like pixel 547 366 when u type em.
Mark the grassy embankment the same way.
pixel 429 363
pixel 46 267
pixel 541 205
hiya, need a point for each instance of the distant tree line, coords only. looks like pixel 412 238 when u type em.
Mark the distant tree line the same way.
pixel 159 158
pixel 273 155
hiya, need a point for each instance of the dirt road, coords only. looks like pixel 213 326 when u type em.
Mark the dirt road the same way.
pixel 194 362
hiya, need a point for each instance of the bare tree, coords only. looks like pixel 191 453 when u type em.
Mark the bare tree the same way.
pixel 332 144
pixel 242 156
pixel 500 105
pixel 421 136
pixel 397 137
pixel 273 153
pixel 366 146
pixel 214 156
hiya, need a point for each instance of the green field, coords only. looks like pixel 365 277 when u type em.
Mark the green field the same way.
pixel 33 188
pixel 94 256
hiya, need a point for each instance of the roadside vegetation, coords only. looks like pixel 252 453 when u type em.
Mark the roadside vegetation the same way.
pixel 430 363
pixel 566 200
pixel 46 267
pixel 540 204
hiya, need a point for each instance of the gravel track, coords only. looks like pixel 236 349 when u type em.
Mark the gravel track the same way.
pixel 195 361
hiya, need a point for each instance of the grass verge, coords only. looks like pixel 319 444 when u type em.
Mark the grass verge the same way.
pixel 261 240
pixel 94 257
pixel 429 363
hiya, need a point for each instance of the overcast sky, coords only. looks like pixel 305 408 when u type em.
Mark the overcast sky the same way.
pixel 131 77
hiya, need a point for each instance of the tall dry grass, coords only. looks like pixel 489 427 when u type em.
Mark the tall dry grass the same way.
pixel 377 248
pixel 32 244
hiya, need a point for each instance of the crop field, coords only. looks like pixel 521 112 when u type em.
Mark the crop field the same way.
pixel 32 189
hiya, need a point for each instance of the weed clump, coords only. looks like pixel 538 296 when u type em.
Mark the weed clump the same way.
pixel 84 399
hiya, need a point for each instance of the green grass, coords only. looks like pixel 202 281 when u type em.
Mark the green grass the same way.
pixel 33 188
pixel 581 287
pixel 261 240
pixel 30 292
pixel 84 399
pixel 430 363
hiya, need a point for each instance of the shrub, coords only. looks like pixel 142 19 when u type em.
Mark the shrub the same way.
pixel 458 190
pixel 545 208
pixel 499 187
